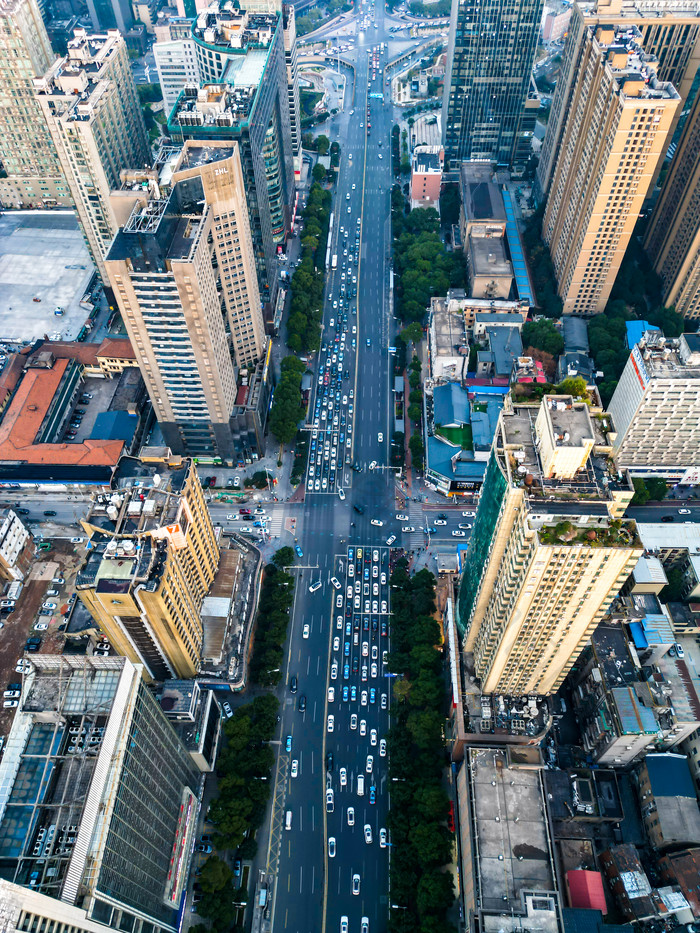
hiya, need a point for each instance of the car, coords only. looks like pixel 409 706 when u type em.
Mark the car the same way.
pixel 680 512
pixel 49 605
pixel 295 768
pixel 465 526
pixel 293 683
pixel 41 626
pixel 315 586
pixel 335 582
pixel 372 736
pixel 353 721
pixel 298 550
pixel 343 925
pixel 343 777
pixel 288 744
pixel 382 838
pixel 363 727
pixel 226 707
pixel 355 883
pixel 468 514
pixel 359 509
pixel 390 540
pixel 204 847
pixel 346 671
pixel 331 723
pixel 679 651
pixel 372 794
pixel 77 540
pixel 382 748
pixel 368 834
pixel 12 694
pixel 330 800
pixel 380 437
pixel 440 521
pixel 10 704
pixel 377 522
pixel 306 631
pixel 373 669
pixel 459 534
pixel 351 816
pixel 301 704
pixel 331 847
pixel 664 518
pixel 49 513
pixel 23 666
pixel 353 693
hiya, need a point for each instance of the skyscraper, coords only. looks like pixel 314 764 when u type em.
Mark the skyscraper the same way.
pixel 669 30
pixel 103 840
pixel 548 552
pixel 489 108
pixel 93 113
pixel 175 57
pixel 672 239
pixel 27 151
pixel 656 407
pixel 152 561
pixel 183 272
pixel 241 60
pixel 616 130
pixel 290 57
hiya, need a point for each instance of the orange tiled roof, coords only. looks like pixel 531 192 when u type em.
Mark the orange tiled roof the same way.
pixel 24 418
pixel 85 353
pixel 118 348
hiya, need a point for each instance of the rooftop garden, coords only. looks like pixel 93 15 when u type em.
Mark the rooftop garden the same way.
pixel 616 534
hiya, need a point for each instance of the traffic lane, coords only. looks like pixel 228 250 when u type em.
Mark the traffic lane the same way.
pixel 654 512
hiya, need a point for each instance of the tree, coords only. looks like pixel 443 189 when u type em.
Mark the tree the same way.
pixel 641 493
pixel 543 335
pixel 215 875
pixel 285 557
pixel 318 173
pixel 573 385
pixel 414 413
pixel 413 333
pixel 449 205
pixel 323 144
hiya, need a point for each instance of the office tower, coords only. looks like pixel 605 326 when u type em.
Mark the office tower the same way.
pixel 100 799
pixel 656 407
pixel 27 152
pixel 489 106
pixel 111 14
pixel 175 57
pixel 183 273
pixel 548 552
pixel 672 240
pixel 93 113
pixel 152 560
pixel 290 57
pixel 616 131
pixel 669 30
pixel 241 61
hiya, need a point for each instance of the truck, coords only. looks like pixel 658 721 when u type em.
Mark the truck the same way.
pixel 13 590
pixel 334 261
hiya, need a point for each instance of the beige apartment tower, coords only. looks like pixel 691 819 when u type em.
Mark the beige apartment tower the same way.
pixel 89 101
pixel 672 240
pixel 27 151
pixel 616 131
pixel 153 560
pixel 183 272
pixel 549 551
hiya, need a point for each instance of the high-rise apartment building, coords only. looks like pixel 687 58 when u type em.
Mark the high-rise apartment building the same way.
pixel 92 110
pixel 669 30
pixel 98 811
pixel 27 151
pixel 290 57
pixel 183 273
pixel 616 131
pixel 174 54
pixel 672 239
pixel 111 14
pixel 152 560
pixel 490 106
pixel 241 60
pixel 548 553
pixel 656 407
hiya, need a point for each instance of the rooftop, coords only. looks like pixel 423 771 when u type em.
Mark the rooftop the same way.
pixel 662 536
pixel 218 107
pixel 488 257
pixel 225 25
pixel 633 69
pixel 569 422
pixel 669 775
pixel 426 159
pixel 505 345
pixel 481 198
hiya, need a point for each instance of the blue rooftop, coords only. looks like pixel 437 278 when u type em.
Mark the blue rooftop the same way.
pixel 635 331
pixel 517 257
pixel 669 775
pixel 484 422
pixel 450 405
pixel 439 458
pixel 115 425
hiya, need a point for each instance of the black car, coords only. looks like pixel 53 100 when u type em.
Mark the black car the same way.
pixel 22 511
pixel 49 512
pixel 360 509
pixel 293 683
pixel 302 703
pixel 329 761
pixel 355 665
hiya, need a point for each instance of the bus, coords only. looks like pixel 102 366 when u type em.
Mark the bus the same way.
pixel 334 261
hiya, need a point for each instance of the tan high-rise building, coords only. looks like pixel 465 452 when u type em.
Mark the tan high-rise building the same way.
pixel 672 240
pixel 670 30
pixel 183 272
pixel 90 105
pixel 152 561
pixel 615 133
pixel 27 152
pixel 548 552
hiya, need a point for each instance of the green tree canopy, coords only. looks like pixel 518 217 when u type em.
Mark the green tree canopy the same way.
pixel 543 335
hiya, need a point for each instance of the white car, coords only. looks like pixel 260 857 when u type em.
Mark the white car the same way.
pixel 363 727
pixel 353 721
pixel 368 834
pixel 363 698
pixel 372 465
pixel 401 517
pixel 468 514
pixel 382 579
pixel 306 631
pixel 336 640
pixel 390 540
pixel 364 926
pixel 331 847
pixel 231 518
pixel 373 669
pixel 407 529
pixel 382 838
pixel 351 816
pixel 459 534
pixel 49 605
pixel 369 764
pixel 382 748
pixel 339 600
pixel 334 670
pixel 41 626
pixel 343 777
pixel 331 694
pixel 377 522
pixel 295 768
pixel 365 649
pixel 336 582
pixel 373 737
pixel 331 723
pixel 76 540
pixel 440 521
pixel 380 437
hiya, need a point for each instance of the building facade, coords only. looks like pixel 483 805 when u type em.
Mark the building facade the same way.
pixel 489 107
pixel 183 272
pixel 290 58
pixel 616 132
pixel 672 239
pixel 106 844
pixel 174 54
pixel 656 408
pixel 152 561
pixel 92 110
pixel 548 553
pixel 27 152
pixel 16 547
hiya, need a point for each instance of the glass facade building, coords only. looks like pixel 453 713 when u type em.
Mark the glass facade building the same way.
pixel 489 110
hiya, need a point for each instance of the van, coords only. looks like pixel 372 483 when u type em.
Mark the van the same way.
pixel 288 819
pixel 360 785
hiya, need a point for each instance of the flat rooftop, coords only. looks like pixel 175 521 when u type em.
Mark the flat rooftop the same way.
pixel 488 256
pixel 664 536
pixel 44 265
pixel 570 421
pixel 511 848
